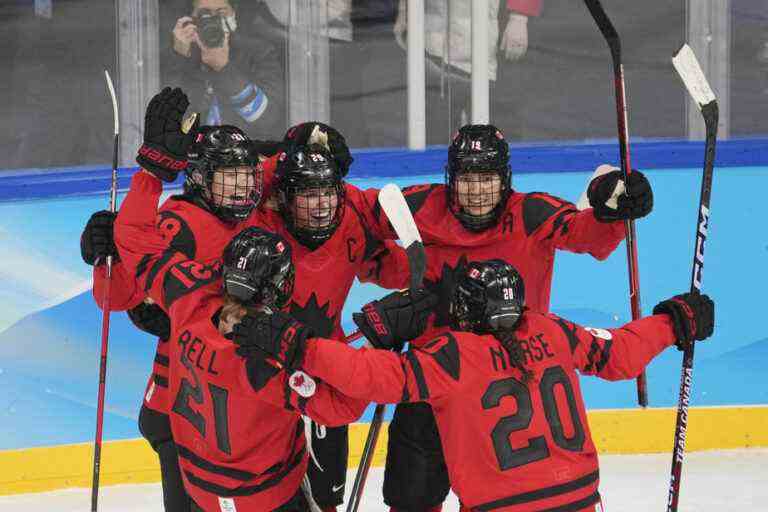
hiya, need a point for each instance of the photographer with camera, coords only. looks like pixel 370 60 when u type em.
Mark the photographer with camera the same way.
pixel 230 75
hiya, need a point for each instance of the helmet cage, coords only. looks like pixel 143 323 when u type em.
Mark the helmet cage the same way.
pixel 307 190
pixel 224 174
pixel 476 155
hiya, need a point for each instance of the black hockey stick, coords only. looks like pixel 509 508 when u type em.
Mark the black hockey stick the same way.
pixel 105 316
pixel 690 72
pixel 614 44
pixel 393 203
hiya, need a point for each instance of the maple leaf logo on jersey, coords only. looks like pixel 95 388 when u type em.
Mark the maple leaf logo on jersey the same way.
pixel 444 289
pixel 302 384
pixel 315 316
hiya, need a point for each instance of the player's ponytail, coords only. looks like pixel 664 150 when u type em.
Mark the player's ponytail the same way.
pixel 511 344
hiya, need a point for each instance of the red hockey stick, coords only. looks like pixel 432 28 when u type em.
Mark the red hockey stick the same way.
pixel 614 44
pixel 105 316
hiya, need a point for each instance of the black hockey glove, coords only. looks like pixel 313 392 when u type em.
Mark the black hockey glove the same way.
pixel 399 317
pixel 692 314
pixel 164 152
pixel 300 135
pixel 611 203
pixel 152 319
pixel 276 336
pixel 97 241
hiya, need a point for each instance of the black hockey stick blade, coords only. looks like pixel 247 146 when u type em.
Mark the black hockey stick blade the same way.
pixel 687 66
pixel 606 27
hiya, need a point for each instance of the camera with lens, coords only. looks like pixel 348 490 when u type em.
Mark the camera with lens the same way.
pixel 210 28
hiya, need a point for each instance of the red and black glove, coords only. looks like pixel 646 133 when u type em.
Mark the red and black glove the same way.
pixel 693 317
pixel 98 241
pixel 164 152
pixel 276 336
pixel 399 317
pixel 611 203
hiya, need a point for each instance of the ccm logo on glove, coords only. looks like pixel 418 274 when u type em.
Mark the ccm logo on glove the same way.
pixel 374 319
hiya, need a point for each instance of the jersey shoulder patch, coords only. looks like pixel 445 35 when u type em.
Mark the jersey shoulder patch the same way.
pixel 445 350
pixel 416 195
pixel 538 207
pixel 185 277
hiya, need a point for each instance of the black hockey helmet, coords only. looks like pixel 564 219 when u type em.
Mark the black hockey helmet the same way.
pixel 489 297
pixel 315 132
pixel 477 154
pixel 232 194
pixel 311 173
pixel 257 268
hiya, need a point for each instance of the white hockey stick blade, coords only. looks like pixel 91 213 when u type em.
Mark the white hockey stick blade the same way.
pixel 393 203
pixel 687 66
pixel 112 95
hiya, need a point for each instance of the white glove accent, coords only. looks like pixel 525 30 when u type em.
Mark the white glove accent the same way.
pixel 583 202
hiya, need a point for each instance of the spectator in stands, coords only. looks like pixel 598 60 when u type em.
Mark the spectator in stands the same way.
pixel 230 73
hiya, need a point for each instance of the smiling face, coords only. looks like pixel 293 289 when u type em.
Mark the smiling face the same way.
pixel 478 192
pixel 315 208
pixel 233 186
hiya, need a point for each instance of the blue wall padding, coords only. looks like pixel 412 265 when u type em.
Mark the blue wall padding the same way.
pixel 525 158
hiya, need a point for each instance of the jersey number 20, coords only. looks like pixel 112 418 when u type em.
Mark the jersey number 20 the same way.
pixel 537 448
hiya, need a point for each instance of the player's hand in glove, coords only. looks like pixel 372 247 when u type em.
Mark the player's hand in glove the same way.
pixel 399 317
pixel 97 241
pixel 276 336
pixel 607 196
pixel 314 132
pixel 692 314
pixel 150 318
pixel 164 151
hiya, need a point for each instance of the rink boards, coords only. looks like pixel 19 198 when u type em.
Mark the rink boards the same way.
pixel 49 326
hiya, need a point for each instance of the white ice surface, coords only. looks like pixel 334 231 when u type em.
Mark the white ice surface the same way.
pixel 716 481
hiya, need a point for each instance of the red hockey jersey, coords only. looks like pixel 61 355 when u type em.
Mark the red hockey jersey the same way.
pixel 325 275
pixel 147 241
pixel 530 230
pixel 186 229
pixel 510 445
pixel 240 440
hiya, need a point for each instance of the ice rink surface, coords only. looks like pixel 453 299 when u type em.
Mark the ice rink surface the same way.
pixel 715 481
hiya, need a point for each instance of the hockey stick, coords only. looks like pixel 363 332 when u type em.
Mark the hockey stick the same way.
pixel 690 72
pixel 393 203
pixel 105 314
pixel 614 44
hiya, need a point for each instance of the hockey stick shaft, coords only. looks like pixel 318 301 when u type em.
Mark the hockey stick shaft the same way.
pixel 687 66
pixel 614 45
pixel 105 314
pixel 394 205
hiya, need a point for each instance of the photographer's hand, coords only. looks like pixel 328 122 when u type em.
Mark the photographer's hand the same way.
pixel 184 34
pixel 215 58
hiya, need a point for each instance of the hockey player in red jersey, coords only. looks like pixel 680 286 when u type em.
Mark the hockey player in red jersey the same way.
pixel 476 215
pixel 237 422
pixel 502 381
pixel 323 225
pixel 320 217
pixel 222 188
